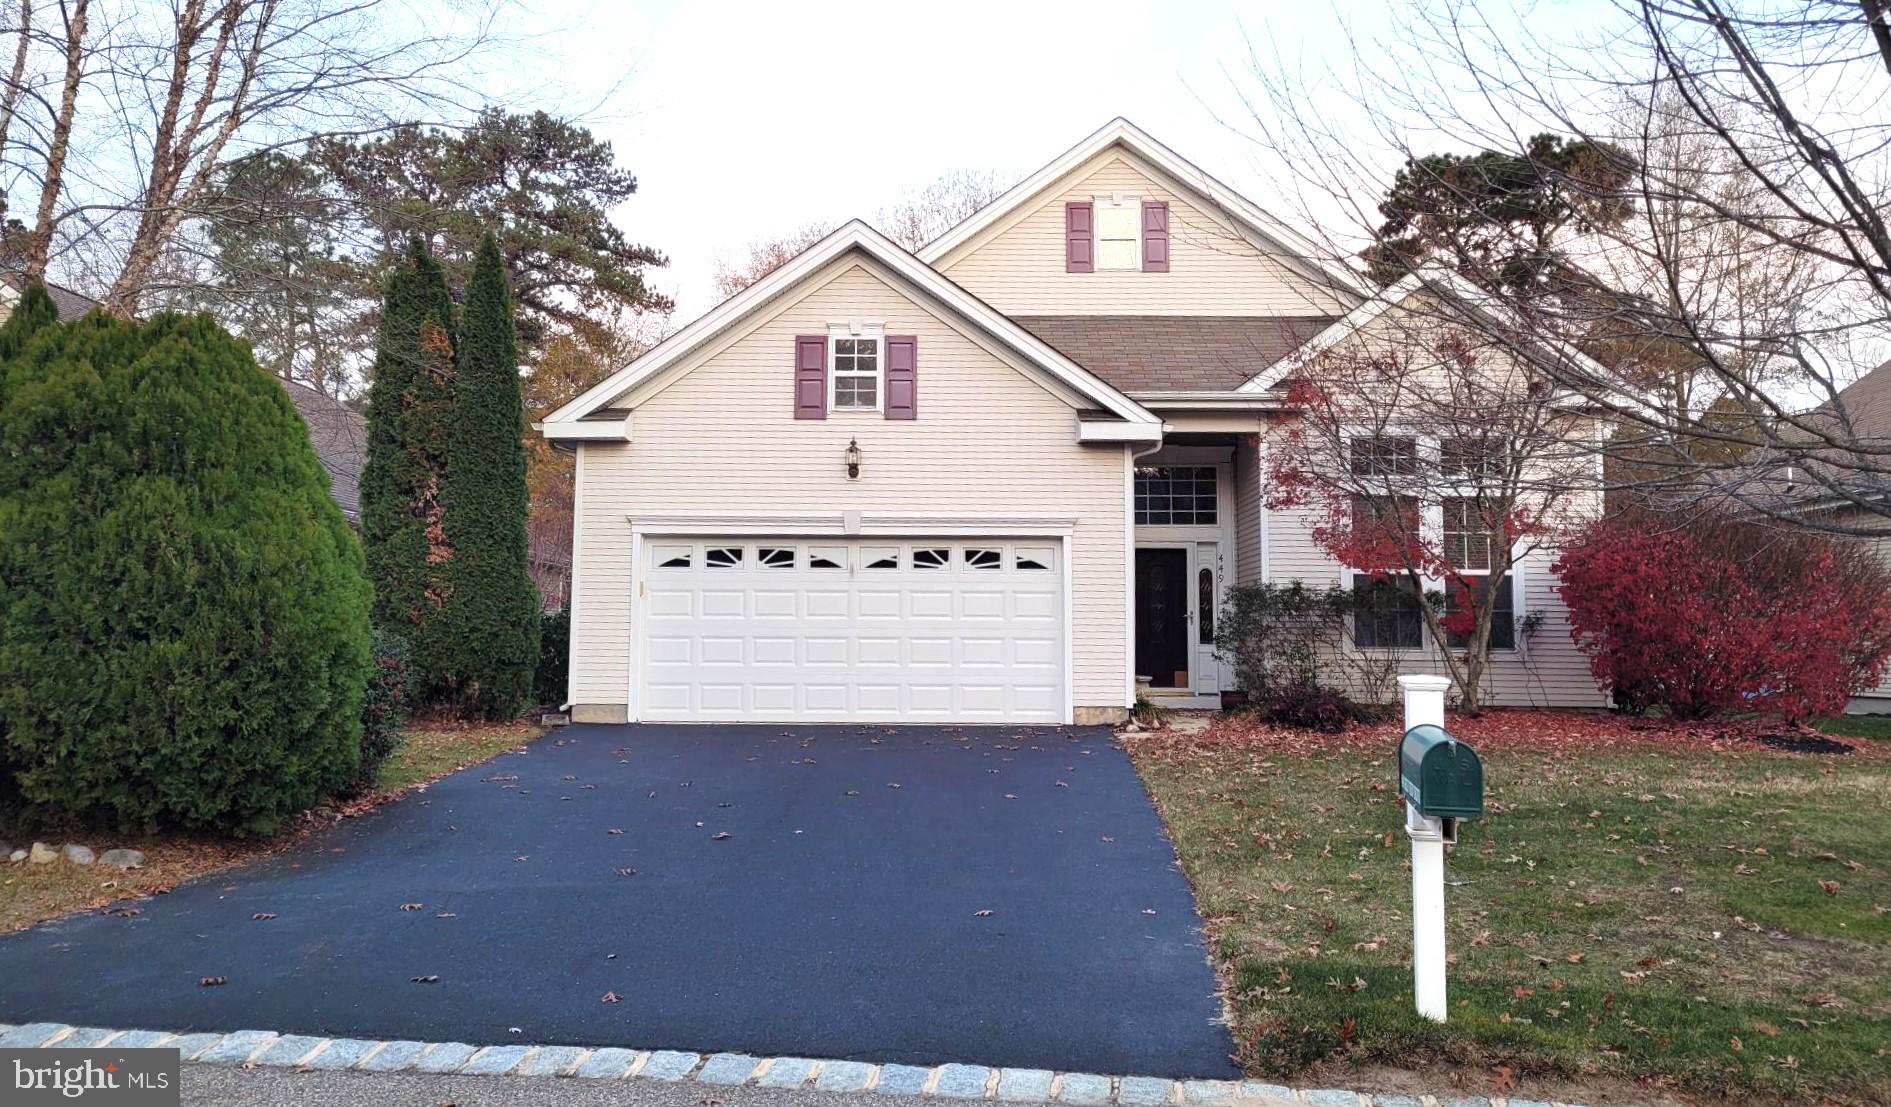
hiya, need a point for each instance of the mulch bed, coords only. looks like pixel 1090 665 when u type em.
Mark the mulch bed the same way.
pixel 1525 729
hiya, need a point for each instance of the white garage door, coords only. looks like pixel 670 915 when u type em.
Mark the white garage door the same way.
pixel 864 630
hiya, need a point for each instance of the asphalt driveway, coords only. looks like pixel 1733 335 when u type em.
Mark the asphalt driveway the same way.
pixel 915 894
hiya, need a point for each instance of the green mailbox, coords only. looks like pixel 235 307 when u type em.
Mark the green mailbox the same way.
pixel 1440 776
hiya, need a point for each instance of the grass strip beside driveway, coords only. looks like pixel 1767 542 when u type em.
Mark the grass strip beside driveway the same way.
pixel 1704 911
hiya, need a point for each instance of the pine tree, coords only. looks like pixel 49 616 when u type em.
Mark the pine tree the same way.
pixel 492 603
pixel 409 402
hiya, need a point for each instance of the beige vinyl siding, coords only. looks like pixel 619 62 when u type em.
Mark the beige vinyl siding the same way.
pixel 1247 515
pixel 718 437
pixel 1545 671
pixel 1017 265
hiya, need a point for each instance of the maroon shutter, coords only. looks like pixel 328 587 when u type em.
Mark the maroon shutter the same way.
pixel 1155 237
pixel 902 376
pixel 1079 239
pixel 810 376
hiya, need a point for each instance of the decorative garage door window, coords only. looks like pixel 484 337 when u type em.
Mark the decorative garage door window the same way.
pixel 1175 496
pixel 822 630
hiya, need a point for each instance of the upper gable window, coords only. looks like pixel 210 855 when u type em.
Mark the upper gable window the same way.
pixel 856 363
pixel 1119 232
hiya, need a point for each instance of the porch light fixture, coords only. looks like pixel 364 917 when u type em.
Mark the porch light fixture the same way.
pixel 853 459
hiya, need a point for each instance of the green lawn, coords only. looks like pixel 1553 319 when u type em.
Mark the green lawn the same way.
pixel 1719 917
pixel 1858 726
pixel 433 749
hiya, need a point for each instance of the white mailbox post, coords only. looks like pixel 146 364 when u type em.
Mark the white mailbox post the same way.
pixel 1425 705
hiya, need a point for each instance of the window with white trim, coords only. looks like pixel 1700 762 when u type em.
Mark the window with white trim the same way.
pixel 1033 557
pixel 1118 231
pixel 1175 495
pixel 854 367
pixel 1469 548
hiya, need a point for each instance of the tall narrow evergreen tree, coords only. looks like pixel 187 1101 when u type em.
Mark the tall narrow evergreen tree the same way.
pixel 409 402
pixel 492 603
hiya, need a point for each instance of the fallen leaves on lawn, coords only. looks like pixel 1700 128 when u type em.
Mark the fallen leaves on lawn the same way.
pixel 1829 887
pixel 1571 731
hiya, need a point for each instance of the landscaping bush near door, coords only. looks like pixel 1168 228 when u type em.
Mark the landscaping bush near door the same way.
pixel 184 639
pixel 1708 614
pixel 1287 646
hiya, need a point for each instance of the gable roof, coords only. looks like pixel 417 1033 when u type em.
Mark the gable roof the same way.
pixel 340 437
pixel 854 236
pixel 1431 277
pixel 1292 248
pixel 1175 353
pixel 69 304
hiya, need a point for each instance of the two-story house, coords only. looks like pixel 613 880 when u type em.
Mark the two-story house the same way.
pixel 1009 479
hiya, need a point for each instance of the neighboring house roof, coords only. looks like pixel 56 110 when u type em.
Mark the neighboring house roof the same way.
pixel 1276 237
pixel 1175 353
pixel 854 236
pixel 340 437
pixel 68 303
pixel 1865 404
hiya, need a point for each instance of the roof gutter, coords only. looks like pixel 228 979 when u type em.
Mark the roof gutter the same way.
pixel 1209 401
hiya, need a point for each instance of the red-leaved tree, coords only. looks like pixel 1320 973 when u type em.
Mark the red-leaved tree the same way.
pixel 1712 614
pixel 1431 462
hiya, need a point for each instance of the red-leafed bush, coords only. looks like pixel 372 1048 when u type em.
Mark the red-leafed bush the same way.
pixel 1708 614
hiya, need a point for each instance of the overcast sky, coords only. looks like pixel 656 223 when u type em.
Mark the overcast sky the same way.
pixel 743 121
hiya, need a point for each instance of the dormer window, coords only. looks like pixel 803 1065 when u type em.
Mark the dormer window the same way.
pixel 1119 232
pixel 857 362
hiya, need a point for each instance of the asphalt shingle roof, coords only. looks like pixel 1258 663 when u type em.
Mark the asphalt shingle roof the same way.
pixel 340 436
pixel 1175 353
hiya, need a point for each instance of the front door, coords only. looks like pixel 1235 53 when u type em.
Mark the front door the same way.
pixel 1162 606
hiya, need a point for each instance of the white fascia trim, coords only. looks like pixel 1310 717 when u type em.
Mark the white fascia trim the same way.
pixel 870 526
pixel 1296 248
pixel 857 235
pixel 1436 277
pixel 585 430
pixel 1092 431
pixel 1206 401
pixel 1336 332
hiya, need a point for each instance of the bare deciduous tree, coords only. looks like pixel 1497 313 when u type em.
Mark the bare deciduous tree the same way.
pixel 135 109
pixel 914 220
pixel 1750 281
